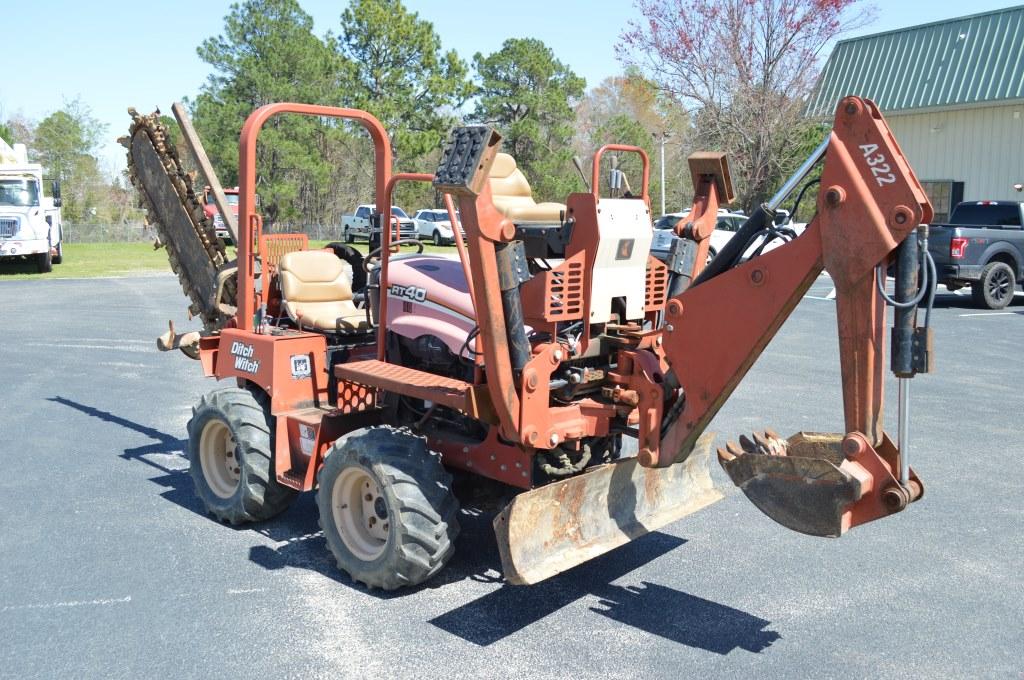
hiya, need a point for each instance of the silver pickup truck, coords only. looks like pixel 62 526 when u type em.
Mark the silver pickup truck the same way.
pixel 357 225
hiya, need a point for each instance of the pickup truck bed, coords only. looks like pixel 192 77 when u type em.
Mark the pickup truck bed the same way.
pixel 982 246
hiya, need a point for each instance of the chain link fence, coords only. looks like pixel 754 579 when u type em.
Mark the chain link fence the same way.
pixel 104 233
pixel 136 232
pixel 316 232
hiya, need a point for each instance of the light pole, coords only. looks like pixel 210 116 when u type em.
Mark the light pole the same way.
pixel 662 138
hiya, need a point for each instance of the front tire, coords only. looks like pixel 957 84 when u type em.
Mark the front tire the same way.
pixel 386 508
pixel 44 262
pixel 438 241
pixel 59 257
pixel 230 458
pixel 995 288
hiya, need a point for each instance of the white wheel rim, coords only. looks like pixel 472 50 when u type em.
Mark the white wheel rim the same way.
pixel 360 513
pixel 218 456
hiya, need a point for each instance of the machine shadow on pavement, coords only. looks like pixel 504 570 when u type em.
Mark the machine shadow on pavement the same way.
pixel 660 610
pixel 691 620
pixel 178 482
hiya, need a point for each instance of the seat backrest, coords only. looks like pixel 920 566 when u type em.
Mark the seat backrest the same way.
pixel 509 186
pixel 314 276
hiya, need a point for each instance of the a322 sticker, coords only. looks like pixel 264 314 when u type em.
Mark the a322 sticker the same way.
pixel 878 164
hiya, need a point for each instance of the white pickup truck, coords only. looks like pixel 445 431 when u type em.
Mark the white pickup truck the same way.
pixel 357 225
pixel 30 224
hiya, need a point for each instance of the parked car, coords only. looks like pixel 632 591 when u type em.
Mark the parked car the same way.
pixel 357 225
pixel 212 213
pixel 726 227
pixel 982 245
pixel 434 224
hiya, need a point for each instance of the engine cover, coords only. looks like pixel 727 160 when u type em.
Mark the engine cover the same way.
pixel 428 295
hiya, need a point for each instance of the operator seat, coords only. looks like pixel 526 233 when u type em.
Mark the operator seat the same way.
pixel 316 287
pixel 513 197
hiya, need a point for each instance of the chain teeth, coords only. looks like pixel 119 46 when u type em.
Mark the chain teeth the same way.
pixel 156 132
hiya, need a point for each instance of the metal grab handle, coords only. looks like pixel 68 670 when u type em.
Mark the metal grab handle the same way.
pixel 595 173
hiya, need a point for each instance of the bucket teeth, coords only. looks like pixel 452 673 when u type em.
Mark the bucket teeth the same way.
pixel 731 450
pixel 766 443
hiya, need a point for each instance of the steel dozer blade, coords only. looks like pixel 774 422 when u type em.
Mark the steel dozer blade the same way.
pixel 551 529
pixel 818 484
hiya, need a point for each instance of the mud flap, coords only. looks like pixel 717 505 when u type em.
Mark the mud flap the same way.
pixel 548 530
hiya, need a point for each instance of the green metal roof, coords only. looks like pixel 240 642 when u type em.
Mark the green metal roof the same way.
pixel 968 60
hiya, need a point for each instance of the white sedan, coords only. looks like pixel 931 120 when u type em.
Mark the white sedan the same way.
pixel 725 228
pixel 434 224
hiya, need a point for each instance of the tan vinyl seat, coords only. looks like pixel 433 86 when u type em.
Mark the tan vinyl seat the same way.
pixel 317 290
pixel 512 195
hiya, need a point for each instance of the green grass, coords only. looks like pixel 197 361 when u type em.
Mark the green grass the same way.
pixel 90 260
pixel 87 260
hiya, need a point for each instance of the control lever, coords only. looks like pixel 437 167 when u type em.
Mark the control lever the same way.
pixel 576 161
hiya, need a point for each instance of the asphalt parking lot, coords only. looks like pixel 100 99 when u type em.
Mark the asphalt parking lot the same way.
pixel 109 568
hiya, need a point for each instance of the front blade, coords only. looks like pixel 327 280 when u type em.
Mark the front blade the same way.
pixel 551 529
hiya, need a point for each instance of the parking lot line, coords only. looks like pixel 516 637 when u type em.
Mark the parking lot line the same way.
pixel 64 604
pixel 990 314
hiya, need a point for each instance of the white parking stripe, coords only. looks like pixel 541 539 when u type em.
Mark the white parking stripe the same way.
pixel 990 314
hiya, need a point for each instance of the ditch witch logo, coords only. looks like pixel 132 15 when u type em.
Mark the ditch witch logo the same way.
pixel 243 357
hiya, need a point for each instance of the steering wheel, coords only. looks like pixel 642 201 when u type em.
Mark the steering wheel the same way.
pixel 372 258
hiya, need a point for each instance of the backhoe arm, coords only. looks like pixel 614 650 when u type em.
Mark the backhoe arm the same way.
pixel 869 202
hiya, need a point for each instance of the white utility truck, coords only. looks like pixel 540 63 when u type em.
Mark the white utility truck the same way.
pixel 30 225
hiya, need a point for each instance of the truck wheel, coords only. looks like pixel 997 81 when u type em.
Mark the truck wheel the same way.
pixel 230 459
pixel 44 262
pixel 59 257
pixel 995 288
pixel 438 241
pixel 386 508
pixel 349 238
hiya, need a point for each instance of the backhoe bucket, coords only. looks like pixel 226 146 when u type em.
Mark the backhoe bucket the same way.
pixel 819 484
pixel 551 529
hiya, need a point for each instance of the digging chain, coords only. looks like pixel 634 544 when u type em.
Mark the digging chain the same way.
pixel 148 129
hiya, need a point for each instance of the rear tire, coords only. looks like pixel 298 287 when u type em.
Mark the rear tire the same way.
pixel 230 458
pixel 386 508
pixel 44 262
pixel 995 288
pixel 349 238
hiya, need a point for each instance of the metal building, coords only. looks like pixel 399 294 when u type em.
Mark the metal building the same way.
pixel 953 93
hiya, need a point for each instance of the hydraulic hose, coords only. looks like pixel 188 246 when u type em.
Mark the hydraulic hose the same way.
pixel 762 218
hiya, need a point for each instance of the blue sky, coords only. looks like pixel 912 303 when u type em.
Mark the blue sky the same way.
pixel 121 56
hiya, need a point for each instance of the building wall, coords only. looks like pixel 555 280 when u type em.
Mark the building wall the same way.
pixel 983 147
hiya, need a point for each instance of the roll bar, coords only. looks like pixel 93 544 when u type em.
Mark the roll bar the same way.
pixel 250 224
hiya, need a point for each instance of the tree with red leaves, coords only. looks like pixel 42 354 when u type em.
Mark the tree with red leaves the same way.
pixel 744 68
